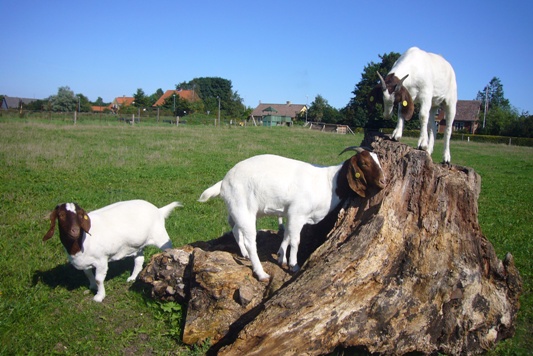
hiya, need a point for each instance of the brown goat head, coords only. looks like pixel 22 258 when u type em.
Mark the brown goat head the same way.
pixel 72 221
pixel 391 92
pixel 362 171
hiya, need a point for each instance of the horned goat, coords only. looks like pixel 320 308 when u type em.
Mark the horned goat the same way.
pixel 303 193
pixel 427 79
pixel 109 234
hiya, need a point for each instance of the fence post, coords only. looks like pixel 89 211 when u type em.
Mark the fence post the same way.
pixel 75 112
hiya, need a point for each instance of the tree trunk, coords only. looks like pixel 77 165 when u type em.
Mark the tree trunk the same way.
pixel 406 269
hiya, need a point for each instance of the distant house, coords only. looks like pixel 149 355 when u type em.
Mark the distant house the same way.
pixel 97 108
pixel 188 95
pixel 466 117
pixel 11 102
pixel 278 114
pixel 121 101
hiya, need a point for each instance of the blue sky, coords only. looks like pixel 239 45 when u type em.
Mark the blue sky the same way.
pixel 272 51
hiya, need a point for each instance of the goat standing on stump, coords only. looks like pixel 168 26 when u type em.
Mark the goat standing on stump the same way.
pixel 303 193
pixel 427 79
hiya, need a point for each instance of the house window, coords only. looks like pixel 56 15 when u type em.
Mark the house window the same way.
pixel 458 125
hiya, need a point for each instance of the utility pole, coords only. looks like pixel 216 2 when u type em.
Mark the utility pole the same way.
pixel 486 104
pixel 218 97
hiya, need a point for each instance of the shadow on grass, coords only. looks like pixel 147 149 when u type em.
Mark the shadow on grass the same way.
pixel 68 277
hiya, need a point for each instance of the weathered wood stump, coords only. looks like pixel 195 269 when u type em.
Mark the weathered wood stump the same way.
pixel 404 270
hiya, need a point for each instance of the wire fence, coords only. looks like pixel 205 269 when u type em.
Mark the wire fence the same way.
pixel 141 116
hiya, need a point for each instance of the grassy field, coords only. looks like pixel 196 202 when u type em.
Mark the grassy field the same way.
pixel 45 305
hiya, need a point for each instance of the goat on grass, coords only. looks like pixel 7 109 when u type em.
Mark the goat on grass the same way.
pixel 109 234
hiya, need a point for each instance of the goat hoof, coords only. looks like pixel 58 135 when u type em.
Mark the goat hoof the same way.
pixel 263 278
pixel 295 269
pixel 98 298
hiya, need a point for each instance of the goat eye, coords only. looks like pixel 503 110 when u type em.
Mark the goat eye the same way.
pixel 62 215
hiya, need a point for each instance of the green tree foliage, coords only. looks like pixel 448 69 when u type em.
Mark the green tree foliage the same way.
pixel 64 101
pixel 494 94
pixel 357 112
pixel 210 89
pixel 521 127
pixel 37 105
pixel 99 102
pixel 141 100
pixel 84 105
pixel 151 100
pixel 500 117
pixel 321 111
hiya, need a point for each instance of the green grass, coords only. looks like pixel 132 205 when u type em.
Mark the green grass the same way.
pixel 45 305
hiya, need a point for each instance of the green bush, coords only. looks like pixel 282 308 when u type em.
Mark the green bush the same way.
pixel 516 141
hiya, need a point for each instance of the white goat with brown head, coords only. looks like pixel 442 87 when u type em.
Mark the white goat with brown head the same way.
pixel 303 193
pixel 109 234
pixel 428 79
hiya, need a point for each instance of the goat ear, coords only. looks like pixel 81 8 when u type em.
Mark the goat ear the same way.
pixel 85 221
pixel 356 179
pixel 50 233
pixel 407 107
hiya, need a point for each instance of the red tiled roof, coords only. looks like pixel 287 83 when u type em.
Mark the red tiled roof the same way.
pixel 124 100
pixel 188 95
pixel 99 108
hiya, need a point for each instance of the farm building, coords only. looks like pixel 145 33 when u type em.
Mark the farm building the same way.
pixel 277 114
pixel 11 102
pixel 336 128
pixel 466 117
pixel 188 95
pixel 121 101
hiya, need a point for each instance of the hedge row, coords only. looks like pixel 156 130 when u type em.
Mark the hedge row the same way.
pixel 516 141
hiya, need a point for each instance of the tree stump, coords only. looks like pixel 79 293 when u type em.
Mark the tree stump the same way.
pixel 406 269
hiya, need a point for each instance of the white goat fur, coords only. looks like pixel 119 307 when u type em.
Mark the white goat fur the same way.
pixel 117 231
pixel 431 82
pixel 273 185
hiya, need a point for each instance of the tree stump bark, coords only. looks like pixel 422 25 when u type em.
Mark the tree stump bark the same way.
pixel 406 269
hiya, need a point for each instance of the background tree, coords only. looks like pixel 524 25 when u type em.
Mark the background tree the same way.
pixel 521 127
pixel 100 102
pixel 321 111
pixel 209 89
pixel 494 94
pixel 151 100
pixel 356 112
pixel 65 100
pixel 141 100
pixel 499 116
pixel 84 105
pixel 37 105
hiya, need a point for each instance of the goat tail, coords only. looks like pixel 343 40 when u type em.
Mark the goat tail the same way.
pixel 167 209
pixel 210 192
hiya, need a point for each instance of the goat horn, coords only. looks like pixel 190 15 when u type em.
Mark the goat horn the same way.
pixel 400 84
pixel 357 149
pixel 383 85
